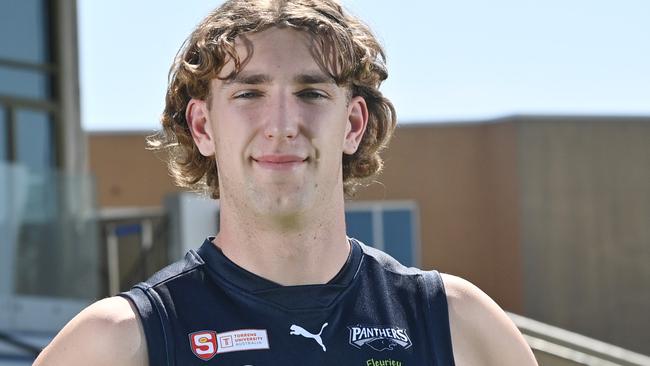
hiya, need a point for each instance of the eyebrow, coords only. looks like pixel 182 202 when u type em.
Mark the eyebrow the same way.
pixel 252 79
pixel 257 79
pixel 313 78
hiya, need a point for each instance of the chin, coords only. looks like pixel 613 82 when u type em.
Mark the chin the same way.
pixel 283 205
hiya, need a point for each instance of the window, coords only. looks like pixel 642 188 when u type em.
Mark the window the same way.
pixel 55 236
pixel 25 57
pixel 397 226
pixel 23 31
pixel 389 226
pixel 24 83
pixel 359 225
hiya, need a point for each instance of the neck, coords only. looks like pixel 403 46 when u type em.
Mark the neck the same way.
pixel 311 249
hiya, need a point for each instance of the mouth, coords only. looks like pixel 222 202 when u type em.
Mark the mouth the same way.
pixel 279 161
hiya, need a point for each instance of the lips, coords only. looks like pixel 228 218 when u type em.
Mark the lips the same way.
pixel 279 161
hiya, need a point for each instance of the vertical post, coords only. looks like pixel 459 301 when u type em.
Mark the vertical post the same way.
pixel 146 244
pixel 71 139
pixel 112 256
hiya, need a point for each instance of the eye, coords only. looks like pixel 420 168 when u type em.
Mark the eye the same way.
pixel 312 94
pixel 247 94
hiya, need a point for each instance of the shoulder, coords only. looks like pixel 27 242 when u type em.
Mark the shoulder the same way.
pixel 481 332
pixel 107 332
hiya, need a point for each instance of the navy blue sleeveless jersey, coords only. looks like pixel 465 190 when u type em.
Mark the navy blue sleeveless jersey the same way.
pixel 206 310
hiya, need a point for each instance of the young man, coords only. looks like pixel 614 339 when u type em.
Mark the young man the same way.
pixel 273 107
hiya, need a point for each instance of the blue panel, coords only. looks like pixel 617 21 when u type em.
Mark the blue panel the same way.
pixel 359 226
pixel 128 229
pixel 398 235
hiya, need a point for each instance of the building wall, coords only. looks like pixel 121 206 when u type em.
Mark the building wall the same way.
pixel 48 245
pixel 585 226
pixel 126 173
pixel 44 192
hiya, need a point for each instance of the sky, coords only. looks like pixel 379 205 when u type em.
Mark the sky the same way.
pixel 448 61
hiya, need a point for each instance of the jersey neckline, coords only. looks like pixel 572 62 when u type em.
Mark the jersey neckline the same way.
pixel 296 297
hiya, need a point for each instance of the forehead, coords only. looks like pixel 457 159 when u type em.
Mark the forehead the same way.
pixel 273 51
pixel 275 36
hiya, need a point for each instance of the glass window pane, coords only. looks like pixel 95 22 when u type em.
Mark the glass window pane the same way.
pixel 359 226
pixel 398 235
pixel 24 83
pixel 55 243
pixel 34 141
pixel 23 31
pixel 4 142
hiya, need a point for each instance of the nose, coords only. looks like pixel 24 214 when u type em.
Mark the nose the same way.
pixel 282 119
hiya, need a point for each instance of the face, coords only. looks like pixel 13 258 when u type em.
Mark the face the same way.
pixel 279 128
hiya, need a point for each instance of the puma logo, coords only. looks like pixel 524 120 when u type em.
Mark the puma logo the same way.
pixel 298 330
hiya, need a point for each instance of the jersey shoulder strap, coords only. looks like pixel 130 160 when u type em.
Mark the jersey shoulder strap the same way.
pixel 152 316
pixel 435 298
pixel 152 311
pixel 438 317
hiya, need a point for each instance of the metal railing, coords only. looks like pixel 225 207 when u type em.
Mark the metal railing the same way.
pixel 135 245
pixel 551 343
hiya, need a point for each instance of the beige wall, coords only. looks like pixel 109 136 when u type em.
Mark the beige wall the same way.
pixel 126 173
pixel 586 226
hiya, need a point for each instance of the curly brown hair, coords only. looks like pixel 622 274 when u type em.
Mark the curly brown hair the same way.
pixel 342 45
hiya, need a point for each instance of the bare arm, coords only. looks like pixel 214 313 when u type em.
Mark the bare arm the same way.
pixel 481 332
pixel 107 332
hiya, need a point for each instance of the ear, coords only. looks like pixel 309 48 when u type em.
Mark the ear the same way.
pixel 196 115
pixel 356 124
